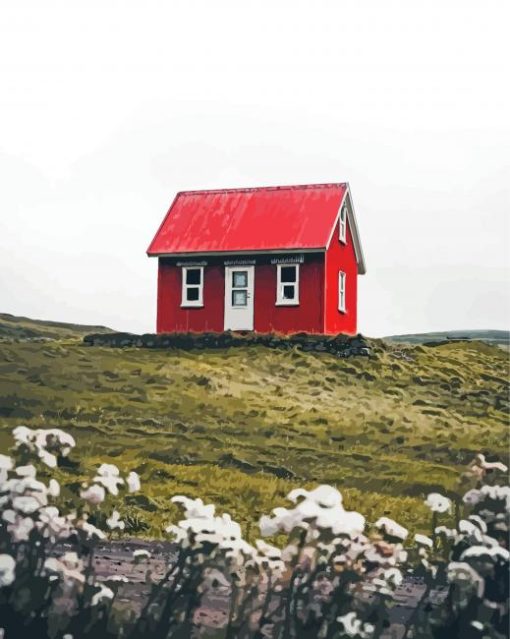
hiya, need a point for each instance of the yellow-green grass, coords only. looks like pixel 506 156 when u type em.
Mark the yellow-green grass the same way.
pixel 241 427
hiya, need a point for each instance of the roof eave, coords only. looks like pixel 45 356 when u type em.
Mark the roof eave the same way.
pixel 318 249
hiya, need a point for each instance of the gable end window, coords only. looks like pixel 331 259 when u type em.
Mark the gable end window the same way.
pixel 341 291
pixel 342 225
pixel 192 286
pixel 287 284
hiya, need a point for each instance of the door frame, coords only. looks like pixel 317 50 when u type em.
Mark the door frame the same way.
pixel 228 308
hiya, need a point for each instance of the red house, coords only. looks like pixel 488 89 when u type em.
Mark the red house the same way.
pixel 280 259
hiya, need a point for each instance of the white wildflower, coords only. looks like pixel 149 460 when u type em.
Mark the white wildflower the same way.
pixel 354 627
pixel 494 552
pixel 133 482
pixel 497 493
pixel 108 476
pixel 268 526
pixel 115 522
pixel 324 495
pixel 26 471
pixel 7 568
pixel 101 595
pixel 141 554
pixel 478 521
pixel 22 435
pixel 393 576
pixel 69 567
pixel 449 533
pixel 423 540
pixel 391 528
pixel 52 525
pixel 438 503
pixel 26 504
pixel 89 530
pixel 20 528
pixel 120 578
pixel 56 439
pixel 47 458
pixel 9 515
pixel 472 497
pixel 46 443
pixel 93 494
pixel 322 507
pixel 468 528
pixel 6 462
pixel 462 572
pixel 53 488
pixel 194 508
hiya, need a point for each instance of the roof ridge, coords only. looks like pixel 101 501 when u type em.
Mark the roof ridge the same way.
pixel 254 189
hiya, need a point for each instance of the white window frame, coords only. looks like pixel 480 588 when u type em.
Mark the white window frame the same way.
pixel 280 299
pixel 342 224
pixel 342 278
pixel 185 303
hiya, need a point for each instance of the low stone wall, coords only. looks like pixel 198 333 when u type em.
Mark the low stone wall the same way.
pixel 339 345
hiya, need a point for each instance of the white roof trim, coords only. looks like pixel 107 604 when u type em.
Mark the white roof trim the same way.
pixel 354 231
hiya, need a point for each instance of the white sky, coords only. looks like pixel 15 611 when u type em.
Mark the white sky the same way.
pixel 108 108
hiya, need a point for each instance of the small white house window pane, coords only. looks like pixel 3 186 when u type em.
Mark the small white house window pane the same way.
pixel 289 291
pixel 192 294
pixel 240 298
pixel 192 286
pixel 288 274
pixel 239 279
pixel 343 224
pixel 193 276
pixel 341 292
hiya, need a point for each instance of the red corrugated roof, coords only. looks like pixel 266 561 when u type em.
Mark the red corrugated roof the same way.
pixel 256 219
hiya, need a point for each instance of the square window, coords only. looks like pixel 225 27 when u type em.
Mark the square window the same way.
pixel 192 294
pixel 289 292
pixel 239 279
pixel 193 276
pixel 288 274
pixel 239 298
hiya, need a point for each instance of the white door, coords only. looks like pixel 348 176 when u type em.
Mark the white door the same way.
pixel 239 284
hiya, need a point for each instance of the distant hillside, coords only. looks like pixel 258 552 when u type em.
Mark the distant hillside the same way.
pixel 489 336
pixel 24 328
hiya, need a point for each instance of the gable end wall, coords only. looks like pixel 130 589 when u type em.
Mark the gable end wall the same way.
pixel 341 257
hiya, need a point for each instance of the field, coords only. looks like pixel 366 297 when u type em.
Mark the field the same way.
pixel 241 427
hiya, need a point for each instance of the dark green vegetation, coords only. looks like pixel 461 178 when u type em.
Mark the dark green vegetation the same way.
pixel 240 427
pixel 491 337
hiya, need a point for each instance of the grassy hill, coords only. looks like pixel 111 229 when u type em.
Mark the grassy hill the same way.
pixel 501 338
pixel 240 427
pixel 24 328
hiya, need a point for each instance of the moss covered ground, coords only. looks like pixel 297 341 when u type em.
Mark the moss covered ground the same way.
pixel 240 427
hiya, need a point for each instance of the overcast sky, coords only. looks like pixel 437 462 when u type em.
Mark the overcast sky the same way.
pixel 108 108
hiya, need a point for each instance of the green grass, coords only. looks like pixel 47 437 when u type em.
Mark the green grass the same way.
pixel 241 427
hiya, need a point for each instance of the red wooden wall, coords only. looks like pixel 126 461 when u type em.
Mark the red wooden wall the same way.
pixel 341 257
pixel 172 318
pixel 317 311
pixel 308 316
